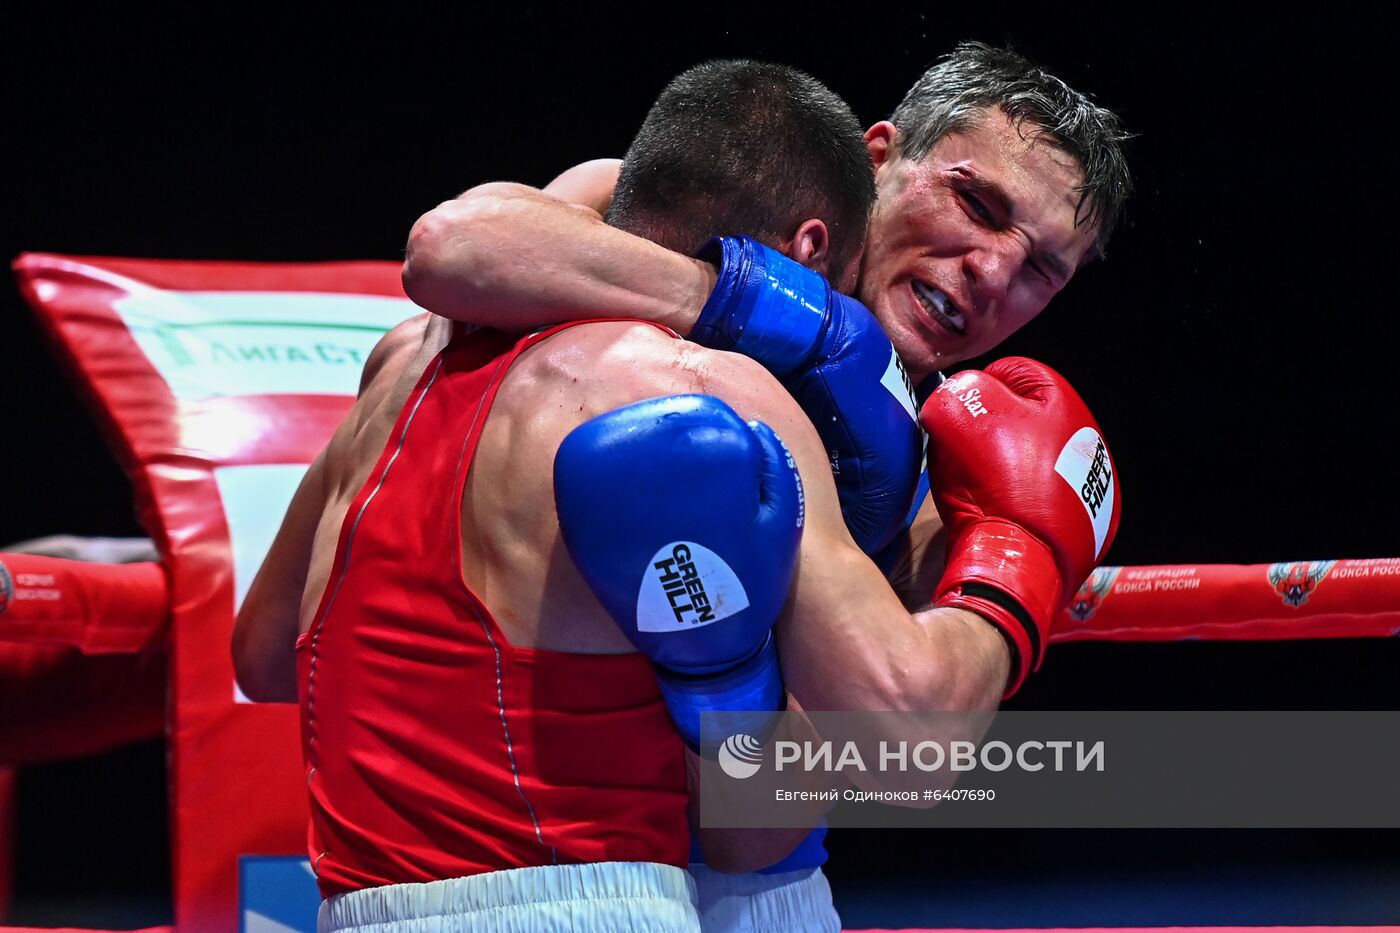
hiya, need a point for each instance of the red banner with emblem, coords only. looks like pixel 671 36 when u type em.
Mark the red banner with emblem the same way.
pixel 1236 602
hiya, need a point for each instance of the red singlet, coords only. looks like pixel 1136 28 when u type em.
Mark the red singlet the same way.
pixel 434 748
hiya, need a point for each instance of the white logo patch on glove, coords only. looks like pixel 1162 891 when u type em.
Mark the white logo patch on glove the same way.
pixel 1086 466
pixel 687 586
pixel 896 381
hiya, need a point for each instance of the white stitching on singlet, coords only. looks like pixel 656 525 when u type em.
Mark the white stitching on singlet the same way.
pixel 345 564
pixel 500 694
pixel 510 748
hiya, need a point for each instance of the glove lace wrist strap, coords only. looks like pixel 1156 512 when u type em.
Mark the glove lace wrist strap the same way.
pixel 1020 666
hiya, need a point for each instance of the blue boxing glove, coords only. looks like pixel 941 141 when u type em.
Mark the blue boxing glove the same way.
pixel 684 520
pixel 832 356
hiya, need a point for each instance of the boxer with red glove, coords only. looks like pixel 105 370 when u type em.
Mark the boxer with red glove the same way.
pixel 1029 494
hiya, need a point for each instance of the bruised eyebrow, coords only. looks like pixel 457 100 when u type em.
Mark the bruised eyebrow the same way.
pixel 1056 266
pixel 985 187
pixel 993 191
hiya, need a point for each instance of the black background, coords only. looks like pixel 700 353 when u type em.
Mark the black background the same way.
pixel 1237 346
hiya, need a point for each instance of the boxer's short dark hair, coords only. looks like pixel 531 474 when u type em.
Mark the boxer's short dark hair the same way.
pixel 975 76
pixel 745 147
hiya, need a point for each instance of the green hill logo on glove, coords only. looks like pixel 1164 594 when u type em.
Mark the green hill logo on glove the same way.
pixel 687 586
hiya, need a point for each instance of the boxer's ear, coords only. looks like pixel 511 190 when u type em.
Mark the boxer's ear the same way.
pixel 810 245
pixel 880 142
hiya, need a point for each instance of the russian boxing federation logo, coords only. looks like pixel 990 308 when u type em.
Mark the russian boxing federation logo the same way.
pixel 7 588
pixel 1086 466
pixel 1092 594
pixel 740 756
pixel 1294 582
pixel 686 586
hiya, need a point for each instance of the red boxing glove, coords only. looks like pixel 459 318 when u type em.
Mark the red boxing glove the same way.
pixel 1028 492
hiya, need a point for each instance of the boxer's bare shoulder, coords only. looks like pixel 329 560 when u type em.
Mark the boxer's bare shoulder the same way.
pixel 391 371
pixel 596 367
pixel 394 347
pixel 513 556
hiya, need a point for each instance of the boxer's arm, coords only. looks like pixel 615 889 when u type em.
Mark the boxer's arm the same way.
pixel 265 632
pixel 733 850
pixel 917 557
pixel 845 640
pixel 736 849
pixel 590 184
pixel 515 258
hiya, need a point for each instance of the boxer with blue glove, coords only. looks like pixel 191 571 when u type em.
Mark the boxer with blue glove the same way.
pixel 695 554
pixel 831 355
pixel 978 225
pixel 829 352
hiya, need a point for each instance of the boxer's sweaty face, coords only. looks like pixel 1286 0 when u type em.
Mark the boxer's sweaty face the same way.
pixel 969 243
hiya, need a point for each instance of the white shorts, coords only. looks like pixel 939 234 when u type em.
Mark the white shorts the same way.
pixel 788 902
pixel 602 897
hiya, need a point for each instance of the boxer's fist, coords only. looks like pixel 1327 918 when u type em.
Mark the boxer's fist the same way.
pixel 832 356
pixel 1028 492
pixel 684 521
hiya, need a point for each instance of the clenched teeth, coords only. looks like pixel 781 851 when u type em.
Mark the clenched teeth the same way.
pixel 939 308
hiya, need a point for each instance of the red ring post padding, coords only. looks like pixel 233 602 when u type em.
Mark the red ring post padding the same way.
pixel 207 376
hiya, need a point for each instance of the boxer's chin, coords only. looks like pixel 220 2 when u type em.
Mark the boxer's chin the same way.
pixel 920 354
pixel 924 343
